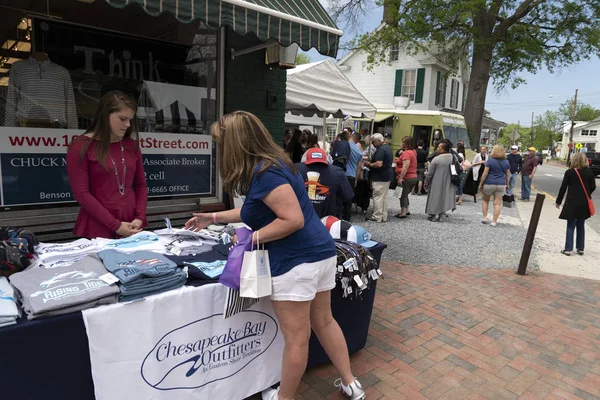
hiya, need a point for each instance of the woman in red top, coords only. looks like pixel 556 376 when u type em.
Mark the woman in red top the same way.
pixel 406 171
pixel 106 172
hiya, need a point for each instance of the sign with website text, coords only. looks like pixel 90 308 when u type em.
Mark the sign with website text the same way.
pixel 152 350
pixel 33 165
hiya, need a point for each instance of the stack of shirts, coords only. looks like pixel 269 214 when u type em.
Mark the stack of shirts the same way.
pixel 52 255
pixel 44 292
pixel 212 236
pixel 8 306
pixel 138 242
pixel 185 245
pixel 206 267
pixel 142 273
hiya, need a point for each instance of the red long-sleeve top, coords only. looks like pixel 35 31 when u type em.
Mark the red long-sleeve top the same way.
pixel 97 191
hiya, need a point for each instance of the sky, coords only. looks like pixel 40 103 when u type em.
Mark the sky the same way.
pixel 543 90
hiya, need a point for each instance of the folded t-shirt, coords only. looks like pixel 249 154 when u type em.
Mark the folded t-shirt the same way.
pixel 71 288
pixel 140 241
pixel 131 266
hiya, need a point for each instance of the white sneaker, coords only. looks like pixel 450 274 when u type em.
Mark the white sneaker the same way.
pixel 493 224
pixel 270 394
pixel 353 391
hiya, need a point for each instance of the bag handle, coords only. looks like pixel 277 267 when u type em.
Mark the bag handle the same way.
pixel 257 233
pixel 582 185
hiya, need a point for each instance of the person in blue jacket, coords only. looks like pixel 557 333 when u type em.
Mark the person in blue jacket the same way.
pixel 302 253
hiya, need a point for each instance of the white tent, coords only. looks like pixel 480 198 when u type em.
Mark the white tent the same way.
pixel 321 88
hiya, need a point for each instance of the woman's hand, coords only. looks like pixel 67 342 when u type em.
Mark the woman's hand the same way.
pixel 137 224
pixel 127 229
pixel 199 221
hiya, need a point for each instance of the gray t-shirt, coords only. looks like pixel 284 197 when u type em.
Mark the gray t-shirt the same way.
pixel 136 265
pixel 60 290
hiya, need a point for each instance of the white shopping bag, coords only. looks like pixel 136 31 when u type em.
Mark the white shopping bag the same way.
pixel 255 278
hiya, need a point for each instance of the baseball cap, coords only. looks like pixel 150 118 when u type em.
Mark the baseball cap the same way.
pixel 377 136
pixel 344 230
pixel 316 156
pixel 514 147
pixel 328 221
pixel 531 149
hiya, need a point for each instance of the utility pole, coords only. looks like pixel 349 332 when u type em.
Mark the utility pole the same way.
pixel 571 146
pixel 531 134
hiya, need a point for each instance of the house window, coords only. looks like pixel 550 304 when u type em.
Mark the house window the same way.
pixel 394 52
pixel 593 133
pixel 454 93
pixel 409 83
pixel 440 90
pixel 585 132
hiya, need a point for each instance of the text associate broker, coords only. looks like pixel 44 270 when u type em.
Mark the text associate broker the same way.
pixel 106 172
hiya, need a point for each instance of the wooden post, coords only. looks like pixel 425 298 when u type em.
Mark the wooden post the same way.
pixel 535 218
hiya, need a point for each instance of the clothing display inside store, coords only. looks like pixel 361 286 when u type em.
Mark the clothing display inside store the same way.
pixel 40 95
pixel 8 305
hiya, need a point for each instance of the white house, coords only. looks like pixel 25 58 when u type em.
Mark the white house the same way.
pixel 584 132
pixel 422 78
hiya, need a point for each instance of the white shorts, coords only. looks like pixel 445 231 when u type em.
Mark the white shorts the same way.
pixel 304 281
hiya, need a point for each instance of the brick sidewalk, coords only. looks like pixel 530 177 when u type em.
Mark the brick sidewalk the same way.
pixel 467 333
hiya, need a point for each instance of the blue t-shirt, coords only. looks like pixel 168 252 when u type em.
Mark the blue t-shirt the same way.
pixel 497 173
pixel 355 157
pixel 310 244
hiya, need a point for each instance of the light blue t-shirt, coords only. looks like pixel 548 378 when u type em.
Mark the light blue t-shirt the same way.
pixel 497 173
pixel 310 244
pixel 355 157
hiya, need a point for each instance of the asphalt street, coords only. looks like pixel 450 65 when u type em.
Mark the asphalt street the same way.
pixel 547 180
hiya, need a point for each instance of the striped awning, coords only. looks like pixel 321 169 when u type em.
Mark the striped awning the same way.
pixel 304 22
pixel 176 114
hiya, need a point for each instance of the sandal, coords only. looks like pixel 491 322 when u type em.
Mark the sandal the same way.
pixel 400 216
pixel 565 252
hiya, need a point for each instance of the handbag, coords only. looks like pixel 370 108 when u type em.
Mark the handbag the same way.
pixel 255 279
pixel 591 207
pixel 233 268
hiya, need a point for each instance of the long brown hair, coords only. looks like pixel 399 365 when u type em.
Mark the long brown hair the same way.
pixel 243 144
pixel 112 102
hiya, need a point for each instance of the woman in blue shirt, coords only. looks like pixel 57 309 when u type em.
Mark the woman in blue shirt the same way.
pixel 302 253
pixel 495 181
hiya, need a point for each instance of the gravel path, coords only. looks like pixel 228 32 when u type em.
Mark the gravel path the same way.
pixel 460 240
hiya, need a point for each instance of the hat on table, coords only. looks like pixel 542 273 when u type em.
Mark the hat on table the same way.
pixel 316 156
pixel 514 147
pixel 328 221
pixel 344 230
pixel 531 149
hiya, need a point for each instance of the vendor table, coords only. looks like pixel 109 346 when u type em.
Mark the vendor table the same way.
pixel 50 357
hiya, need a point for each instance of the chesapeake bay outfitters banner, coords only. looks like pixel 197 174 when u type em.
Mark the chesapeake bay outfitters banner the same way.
pixel 177 346
pixel 33 165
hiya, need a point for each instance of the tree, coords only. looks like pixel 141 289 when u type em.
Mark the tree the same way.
pixel 583 112
pixel 551 121
pixel 302 58
pixel 501 37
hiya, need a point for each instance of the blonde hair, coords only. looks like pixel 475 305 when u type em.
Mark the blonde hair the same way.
pixel 498 152
pixel 243 144
pixel 579 161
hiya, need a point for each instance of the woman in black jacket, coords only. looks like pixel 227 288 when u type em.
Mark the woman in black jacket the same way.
pixel 576 210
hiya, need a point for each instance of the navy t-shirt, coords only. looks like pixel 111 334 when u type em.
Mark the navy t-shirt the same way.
pixel 331 185
pixel 497 173
pixel 310 244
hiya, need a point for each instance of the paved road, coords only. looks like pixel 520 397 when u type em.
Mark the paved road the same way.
pixel 548 179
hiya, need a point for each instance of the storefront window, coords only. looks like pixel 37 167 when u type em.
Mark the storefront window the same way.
pixel 53 72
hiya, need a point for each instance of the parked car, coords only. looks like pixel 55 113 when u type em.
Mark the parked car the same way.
pixel 594 160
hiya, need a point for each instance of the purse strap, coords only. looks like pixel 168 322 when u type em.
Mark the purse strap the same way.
pixel 582 185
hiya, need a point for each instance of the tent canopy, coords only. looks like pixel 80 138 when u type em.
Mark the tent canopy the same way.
pixel 321 87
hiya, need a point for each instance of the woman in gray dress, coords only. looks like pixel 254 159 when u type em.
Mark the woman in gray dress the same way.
pixel 441 189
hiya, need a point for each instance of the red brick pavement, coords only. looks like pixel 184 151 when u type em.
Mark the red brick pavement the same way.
pixel 466 333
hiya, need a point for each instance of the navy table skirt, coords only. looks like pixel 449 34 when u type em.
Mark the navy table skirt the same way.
pixel 49 358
